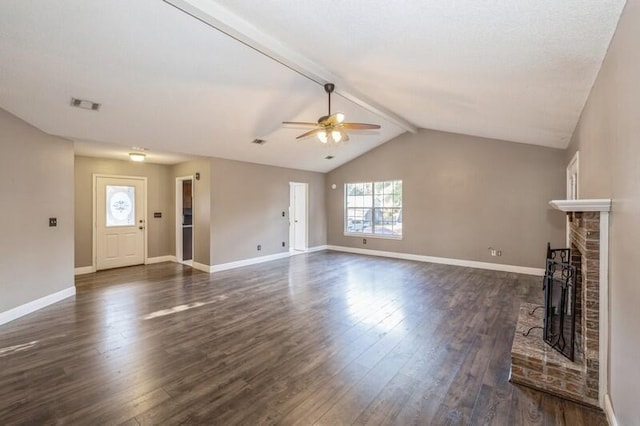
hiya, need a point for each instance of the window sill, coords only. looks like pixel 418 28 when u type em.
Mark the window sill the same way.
pixel 382 237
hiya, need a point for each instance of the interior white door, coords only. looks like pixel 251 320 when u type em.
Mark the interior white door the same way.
pixel 299 216
pixel 120 222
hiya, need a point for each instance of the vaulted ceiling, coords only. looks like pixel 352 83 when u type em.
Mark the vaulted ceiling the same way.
pixel 201 77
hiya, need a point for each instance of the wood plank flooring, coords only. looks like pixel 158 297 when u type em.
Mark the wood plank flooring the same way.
pixel 323 338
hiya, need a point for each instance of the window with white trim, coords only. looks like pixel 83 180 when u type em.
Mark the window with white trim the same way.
pixel 373 209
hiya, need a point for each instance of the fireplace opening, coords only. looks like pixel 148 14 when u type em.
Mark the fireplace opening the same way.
pixel 559 303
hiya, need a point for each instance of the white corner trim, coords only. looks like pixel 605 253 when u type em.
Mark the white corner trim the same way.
pixel 443 260
pixel 608 410
pixel 603 320
pixel 596 205
pixel 84 270
pixel 159 259
pixel 35 305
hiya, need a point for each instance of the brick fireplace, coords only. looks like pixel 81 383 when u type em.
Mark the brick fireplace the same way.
pixel 536 364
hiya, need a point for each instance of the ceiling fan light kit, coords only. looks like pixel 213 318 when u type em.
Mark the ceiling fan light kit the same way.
pixel 331 128
pixel 334 136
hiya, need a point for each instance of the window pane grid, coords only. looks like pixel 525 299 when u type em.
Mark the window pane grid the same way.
pixel 374 208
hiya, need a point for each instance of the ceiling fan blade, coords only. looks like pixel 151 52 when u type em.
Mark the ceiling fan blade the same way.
pixel 299 123
pixel 310 133
pixel 359 126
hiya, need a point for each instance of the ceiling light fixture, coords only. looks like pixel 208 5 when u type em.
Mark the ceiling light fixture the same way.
pixel 331 127
pixel 137 156
pixel 334 136
pixel 322 135
pixel 84 104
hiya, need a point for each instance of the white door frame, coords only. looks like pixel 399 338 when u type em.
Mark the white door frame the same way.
pixel 573 168
pixel 292 186
pixel 178 222
pixel 94 229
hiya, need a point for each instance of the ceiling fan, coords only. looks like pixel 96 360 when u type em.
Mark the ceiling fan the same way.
pixel 331 127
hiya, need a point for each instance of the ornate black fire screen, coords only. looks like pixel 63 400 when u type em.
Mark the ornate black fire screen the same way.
pixel 559 305
pixel 562 255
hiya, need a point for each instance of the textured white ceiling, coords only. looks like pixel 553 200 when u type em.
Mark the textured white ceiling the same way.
pixel 515 70
pixel 166 82
pixel 119 152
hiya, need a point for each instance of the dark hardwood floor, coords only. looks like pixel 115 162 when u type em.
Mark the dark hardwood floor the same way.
pixel 327 338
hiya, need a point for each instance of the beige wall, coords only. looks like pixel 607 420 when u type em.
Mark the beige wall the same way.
pixel 608 138
pixel 159 199
pixel 201 207
pixel 36 183
pixel 247 201
pixel 461 194
pixel 237 206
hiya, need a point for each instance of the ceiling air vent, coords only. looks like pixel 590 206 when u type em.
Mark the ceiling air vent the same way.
pixel 259 141
pixel 328 157
pixel 81 103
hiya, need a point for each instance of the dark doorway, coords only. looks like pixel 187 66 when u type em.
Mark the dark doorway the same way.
pixel 187 220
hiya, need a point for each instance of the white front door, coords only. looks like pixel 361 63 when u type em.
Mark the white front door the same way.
pixel 298 216
pixel 120 221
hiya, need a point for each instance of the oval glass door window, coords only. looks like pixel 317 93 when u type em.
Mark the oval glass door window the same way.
pixel 121 209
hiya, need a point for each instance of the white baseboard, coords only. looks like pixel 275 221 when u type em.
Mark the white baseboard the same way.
pixel 201 267
pixel 309 250
pixel 443 260
pixel 35 305
pixel 608 410
pixel 253 260
pixel 84 270
pixel 160 259
pixel 247 262
pixel 317 248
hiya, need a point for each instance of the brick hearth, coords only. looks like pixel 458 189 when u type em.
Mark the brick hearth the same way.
pixel 536 364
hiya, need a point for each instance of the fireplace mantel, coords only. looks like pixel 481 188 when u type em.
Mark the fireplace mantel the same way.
pixel 595 205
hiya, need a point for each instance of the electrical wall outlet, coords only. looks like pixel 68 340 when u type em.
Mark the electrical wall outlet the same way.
pixel 283 244
pixel 495 252
pixel 364 241
pixel 259 247
pixel 53 221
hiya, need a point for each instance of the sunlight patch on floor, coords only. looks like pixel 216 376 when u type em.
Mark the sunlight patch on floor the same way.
pixel 17 348
pixel 181 308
